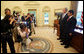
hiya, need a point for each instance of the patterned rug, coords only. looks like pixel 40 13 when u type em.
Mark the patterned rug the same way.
pixel 38 45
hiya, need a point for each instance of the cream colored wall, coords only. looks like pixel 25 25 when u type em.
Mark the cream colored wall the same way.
pixel 41 4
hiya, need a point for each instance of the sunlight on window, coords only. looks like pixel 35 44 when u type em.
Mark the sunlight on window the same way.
pixel 80 6
pixel 46 18
pixel 2 17
pixel 79 13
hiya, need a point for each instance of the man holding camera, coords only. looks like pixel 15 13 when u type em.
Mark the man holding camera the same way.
pixel 6 34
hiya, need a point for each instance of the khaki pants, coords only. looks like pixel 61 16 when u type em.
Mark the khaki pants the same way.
pixel 32 27
pixel 27 42
pixel 15 33
pixel 18 47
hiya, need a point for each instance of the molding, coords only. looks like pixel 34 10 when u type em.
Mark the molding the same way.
pixel 46 9
pixel 31 3
pixel 17 9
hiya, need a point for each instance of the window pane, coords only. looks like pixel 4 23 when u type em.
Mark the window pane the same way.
pixel 80 6
pixel 79 18
pixel 79 13
pixel 46 18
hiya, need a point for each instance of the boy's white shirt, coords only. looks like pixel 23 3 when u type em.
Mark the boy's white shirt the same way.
pixel 23 34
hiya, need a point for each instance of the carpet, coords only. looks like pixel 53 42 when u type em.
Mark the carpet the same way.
pixel 38 45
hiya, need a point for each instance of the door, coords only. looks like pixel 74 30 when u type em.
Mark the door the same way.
pixel 32 11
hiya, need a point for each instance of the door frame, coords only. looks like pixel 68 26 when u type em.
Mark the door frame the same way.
pixel 35 11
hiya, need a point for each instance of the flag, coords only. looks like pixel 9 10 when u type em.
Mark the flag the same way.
pixel 82 18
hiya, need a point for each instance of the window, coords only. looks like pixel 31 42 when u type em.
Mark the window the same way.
pixel 79 13
pixel 2 17
pixel 46 18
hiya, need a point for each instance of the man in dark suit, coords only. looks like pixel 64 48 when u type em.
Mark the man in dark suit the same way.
pixel 62 22
pixel 69 28
pixel 28 20
pixel 6 34
pixel 34 19
pixel 23 17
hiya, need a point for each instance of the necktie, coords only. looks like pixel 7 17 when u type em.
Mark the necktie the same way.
pixel 68 19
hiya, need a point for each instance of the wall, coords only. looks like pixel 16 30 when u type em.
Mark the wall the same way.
pixel 39 5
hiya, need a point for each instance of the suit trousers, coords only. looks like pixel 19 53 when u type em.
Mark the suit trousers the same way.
pixel 67 39
pixel 61 33
pixel 4 40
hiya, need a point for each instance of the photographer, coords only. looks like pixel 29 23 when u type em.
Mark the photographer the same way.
pixel 28 20
pixel 32 23
pixel 6 34
pixel 23 33
pixel 17 17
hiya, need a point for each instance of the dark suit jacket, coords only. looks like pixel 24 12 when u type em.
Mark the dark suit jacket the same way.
pixel 34 20
pixel 62 22
pixel 28 21
pixel 5 24
pixel 70 25
pixel 23 18
pixel 60 18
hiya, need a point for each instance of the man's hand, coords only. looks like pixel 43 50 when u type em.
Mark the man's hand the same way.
pixel 70 34
pixel 26 17
pixel 12 20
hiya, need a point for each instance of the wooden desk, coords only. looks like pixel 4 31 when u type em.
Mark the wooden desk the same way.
pixel 77 41
pixel 56 26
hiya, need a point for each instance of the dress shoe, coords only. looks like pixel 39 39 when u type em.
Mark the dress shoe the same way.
pixel 61 41
pixel 30 33
pixel 16 41
pixel 66 46
pixel 58 38
pixel 31 39
pixel 62 44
